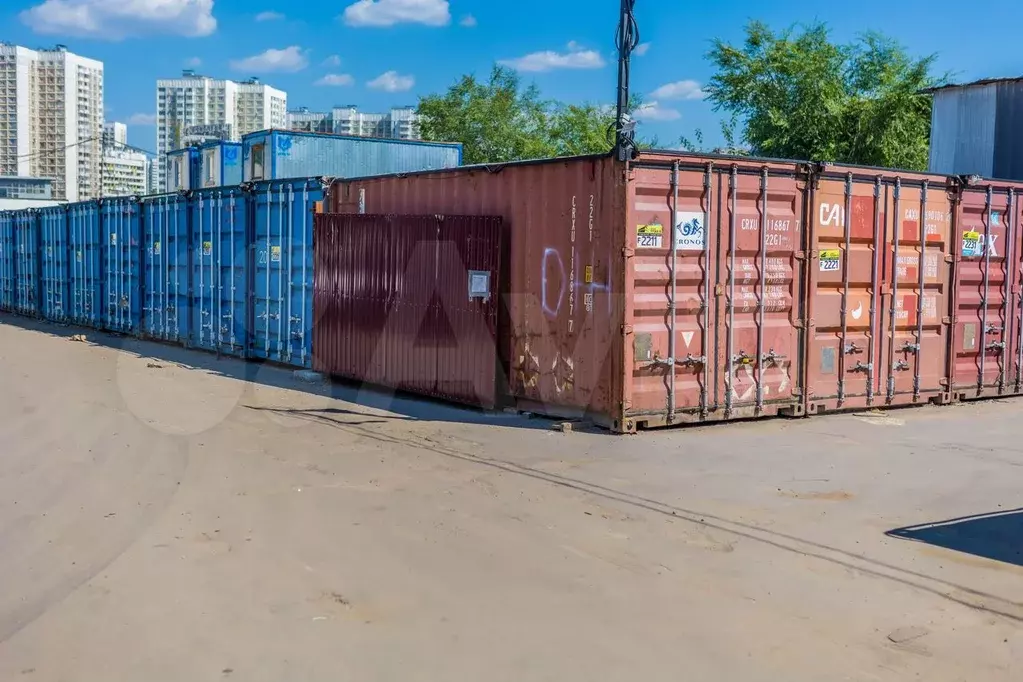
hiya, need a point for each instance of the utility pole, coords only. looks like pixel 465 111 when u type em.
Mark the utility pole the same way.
pixel 627 39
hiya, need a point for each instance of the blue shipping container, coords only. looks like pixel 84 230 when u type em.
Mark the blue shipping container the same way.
pixel 279 154
pixel 122 255
pixel 7 249
pixel 53 239
pixel 183 170
pixel 165 308
pixel 26 249
pixel 282 307
pixel 220 164
pixel 219 267
pixel 86 275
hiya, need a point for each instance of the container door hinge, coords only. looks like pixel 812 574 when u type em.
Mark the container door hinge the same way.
pixel 628 251
pixel 949 258
pixel 796 391
pixel 799 255
pixel 627 329
pixel 943 382
pixel 799 324
pixel 947 320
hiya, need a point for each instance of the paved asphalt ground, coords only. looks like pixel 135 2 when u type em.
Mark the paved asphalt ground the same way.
pixel 164 520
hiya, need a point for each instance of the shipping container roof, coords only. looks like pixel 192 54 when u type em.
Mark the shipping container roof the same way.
pixel 974 84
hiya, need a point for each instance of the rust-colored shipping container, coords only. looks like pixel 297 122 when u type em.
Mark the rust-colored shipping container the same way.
pixel 560 336
pixel 408 301
pixel 877 328
pixel 986 349
pixel 682 288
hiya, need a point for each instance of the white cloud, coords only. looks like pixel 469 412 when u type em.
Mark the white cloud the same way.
pixel 690 90
pixel 468 21
pixel 575 58
pixel 193 63
pixel 269 16
pixel 392 81
pixel 142 119
pixel 117 19
pixel 332 60
pixel 336 79
pixel 391 12
pixel 641 49
pixel 287 60
pixel 653 111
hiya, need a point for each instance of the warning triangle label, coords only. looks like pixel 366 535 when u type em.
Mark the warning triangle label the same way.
pixel 688 337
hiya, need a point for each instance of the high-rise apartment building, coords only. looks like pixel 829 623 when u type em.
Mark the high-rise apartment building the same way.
pixel 194 108
pixel 400 123
pixel 51 119
pixel 124 170
pixel 115 135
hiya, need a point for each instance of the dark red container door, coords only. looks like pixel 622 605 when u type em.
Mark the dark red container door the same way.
pixel 983 350
pixel 409 302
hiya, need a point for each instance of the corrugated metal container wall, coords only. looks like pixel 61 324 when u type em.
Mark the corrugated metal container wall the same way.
pixel 26 262
pixel 561 332
pixel 165 311
pixel 409 302
pixel 280 154
pixel 7 257
pixel 86 277
pixel 282 273
pixel 220 164
pixel 862 350
pixel 219 279
pixel 986 353
pixel 731 347
pixel 53 228
pixel 122 223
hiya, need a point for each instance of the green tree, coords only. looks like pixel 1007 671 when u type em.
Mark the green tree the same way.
pixel 802 96
pixel 497 120
pixel 501 120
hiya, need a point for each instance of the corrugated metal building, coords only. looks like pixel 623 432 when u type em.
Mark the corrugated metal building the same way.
pixel 220 163
pixel 278 154
pixel 977 129
pixel 183 172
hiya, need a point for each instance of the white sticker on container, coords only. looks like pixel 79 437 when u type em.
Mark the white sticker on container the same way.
pixel 207 248
pixel 113 239
pixel 275 254
pixel 649 236
pixel 690 232
pixel 831 260
pixel 156 248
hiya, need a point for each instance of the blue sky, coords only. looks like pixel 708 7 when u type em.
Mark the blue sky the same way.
pixel 380 53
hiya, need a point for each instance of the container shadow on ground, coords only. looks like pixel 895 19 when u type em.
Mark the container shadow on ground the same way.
pixel 997 536
pixel 399 406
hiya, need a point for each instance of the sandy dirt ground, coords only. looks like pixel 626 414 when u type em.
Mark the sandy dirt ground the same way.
pixel 168 516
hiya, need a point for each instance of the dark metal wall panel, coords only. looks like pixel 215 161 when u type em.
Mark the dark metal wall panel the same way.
pixel 562 310
pixel 394 303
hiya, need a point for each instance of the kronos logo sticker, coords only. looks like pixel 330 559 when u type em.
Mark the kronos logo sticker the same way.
pixel 690 234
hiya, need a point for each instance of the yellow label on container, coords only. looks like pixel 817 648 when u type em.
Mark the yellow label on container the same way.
pixel 830 260
pixel 588 275
pixel 650 229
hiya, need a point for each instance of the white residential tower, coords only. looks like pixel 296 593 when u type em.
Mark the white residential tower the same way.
pixel 51 119
pixel 194 108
